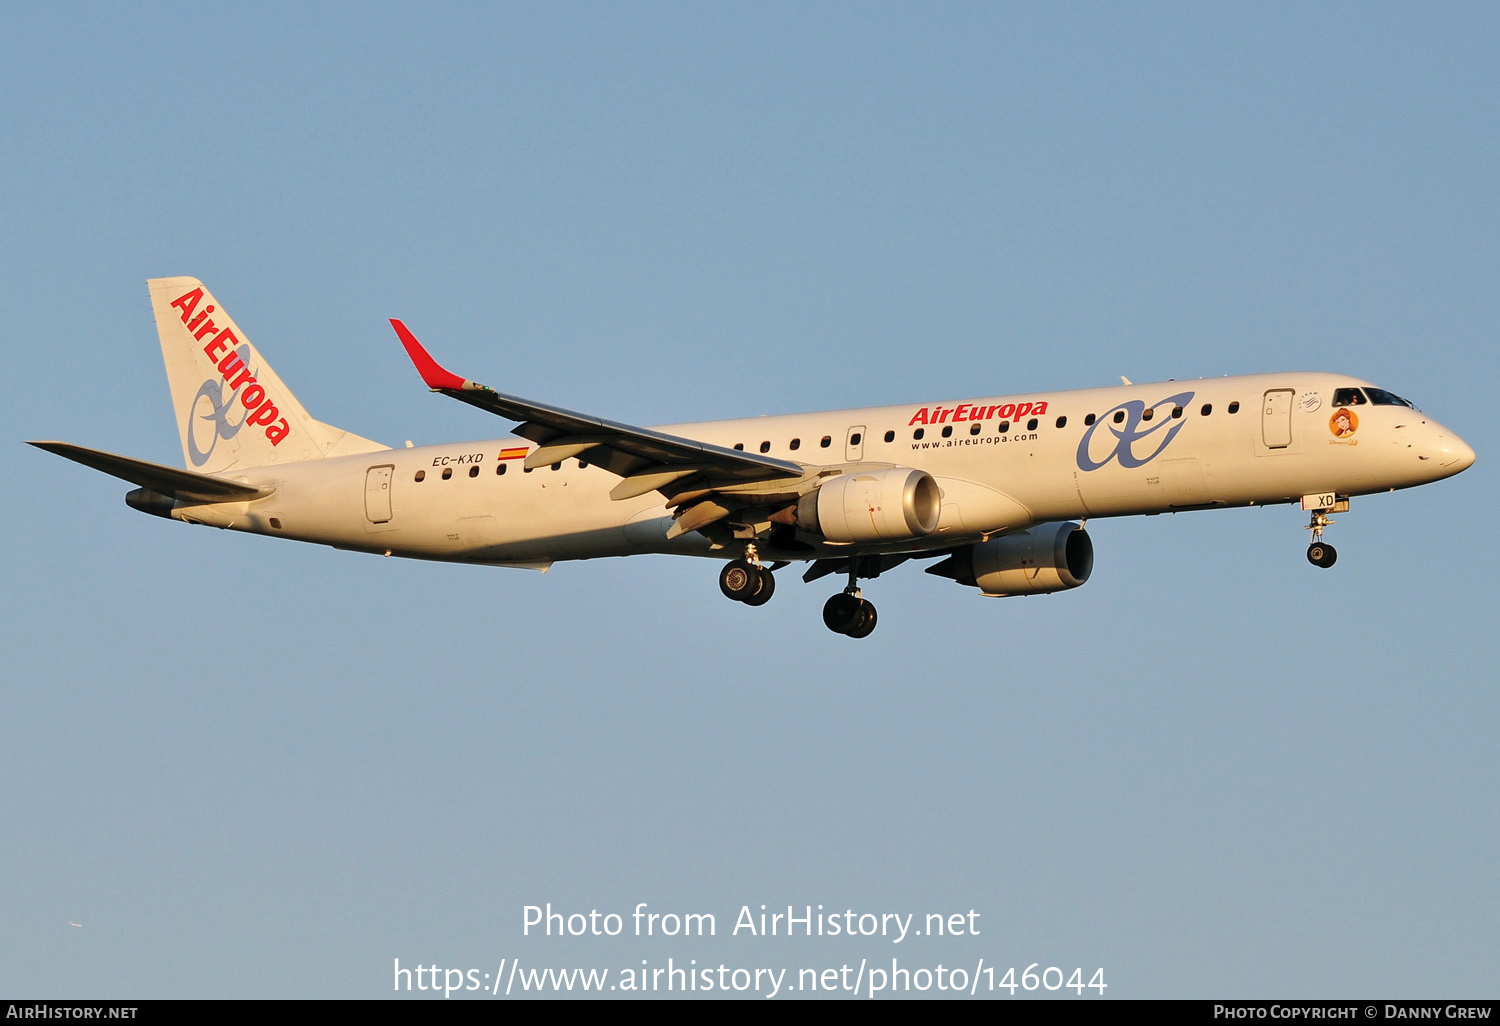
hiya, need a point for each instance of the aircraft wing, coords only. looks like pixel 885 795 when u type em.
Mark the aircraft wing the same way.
pixel 647 460
pixel 170 481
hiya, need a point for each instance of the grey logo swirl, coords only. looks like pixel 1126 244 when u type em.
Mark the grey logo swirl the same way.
pixel 1130 434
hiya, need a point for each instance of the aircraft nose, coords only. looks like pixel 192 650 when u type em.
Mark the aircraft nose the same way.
pixel 1454 454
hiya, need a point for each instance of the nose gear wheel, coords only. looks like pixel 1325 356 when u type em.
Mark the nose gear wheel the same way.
pixel 1320 553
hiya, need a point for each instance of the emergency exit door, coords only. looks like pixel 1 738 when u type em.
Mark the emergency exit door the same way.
pixel 854 444
pixel 378 494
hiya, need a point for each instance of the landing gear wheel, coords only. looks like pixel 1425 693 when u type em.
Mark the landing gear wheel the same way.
pixel 1321 554
pixel 740 580
pixel 866 621
pixel 765 582
pixel 849 614
pixel 842 612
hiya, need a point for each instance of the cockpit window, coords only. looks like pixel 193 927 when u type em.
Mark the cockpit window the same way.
pixel 1380 397
pixel 1348 397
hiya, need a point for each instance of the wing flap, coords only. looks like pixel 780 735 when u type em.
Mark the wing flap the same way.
pixel 649 481
pixel 170 481
pixel 698 516
pixel 555 451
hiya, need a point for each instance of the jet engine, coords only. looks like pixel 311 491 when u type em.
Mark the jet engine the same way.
pixel 1050 557
pixel 876 505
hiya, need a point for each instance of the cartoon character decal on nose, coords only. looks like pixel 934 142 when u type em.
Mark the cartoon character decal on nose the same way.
pixel 1343 423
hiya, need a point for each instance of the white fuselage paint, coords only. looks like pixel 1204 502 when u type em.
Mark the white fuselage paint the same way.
pixel 1281 444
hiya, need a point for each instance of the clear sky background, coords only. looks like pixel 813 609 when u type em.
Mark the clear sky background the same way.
pixel 253 768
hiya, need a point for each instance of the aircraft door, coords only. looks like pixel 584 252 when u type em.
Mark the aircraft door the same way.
pixel 854 444
pixel 378 494
pixel 1276 418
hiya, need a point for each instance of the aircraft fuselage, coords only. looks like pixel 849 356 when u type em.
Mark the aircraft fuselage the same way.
pixel 1117 451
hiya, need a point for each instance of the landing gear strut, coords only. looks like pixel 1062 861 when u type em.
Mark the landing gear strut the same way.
pixel 848 613
pixel 745 580
pixel 1320 553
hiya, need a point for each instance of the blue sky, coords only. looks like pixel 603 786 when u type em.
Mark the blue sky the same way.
pixel 261 769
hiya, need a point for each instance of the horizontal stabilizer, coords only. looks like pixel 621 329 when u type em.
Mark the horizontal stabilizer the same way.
pixel 169 481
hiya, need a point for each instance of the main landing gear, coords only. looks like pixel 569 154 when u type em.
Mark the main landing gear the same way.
pixel 1320 553
pixel 745 580
pixel 847 612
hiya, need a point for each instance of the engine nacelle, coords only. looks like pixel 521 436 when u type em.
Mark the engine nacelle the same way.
pixel 1051 557
pixel 876 505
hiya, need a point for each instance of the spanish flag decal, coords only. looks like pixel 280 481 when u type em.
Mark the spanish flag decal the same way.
pixel 517 452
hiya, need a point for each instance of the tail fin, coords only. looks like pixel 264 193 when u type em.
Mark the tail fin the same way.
pixel 232 409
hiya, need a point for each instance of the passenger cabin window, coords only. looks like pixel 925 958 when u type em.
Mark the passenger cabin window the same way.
pixel 973 429
pixel 918 433
pixel 500 470
pixel 740 446
pixel 765 446
pixel 421 475
pixel 890 436
pixel 948 431
pixel 557 466
pixel 795 444
pixel 1380 397
pixel 1148 414
pixel 473 471
pixel 1234 407
pixel 826 442
pixel 855 438
pixel 1031 424
pixel 1088 421
pixel 1348 397
pixel 1062 421
pixel 1119 416
pixel 1207 409
pixel 1177 413
pixel 1004 426
pixel 447 473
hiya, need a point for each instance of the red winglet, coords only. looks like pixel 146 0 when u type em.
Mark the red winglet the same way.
pixel 435 376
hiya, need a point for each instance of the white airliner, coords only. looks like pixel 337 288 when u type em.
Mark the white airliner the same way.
pixel 991 484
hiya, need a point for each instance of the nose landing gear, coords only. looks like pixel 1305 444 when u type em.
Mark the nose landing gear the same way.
pixel 1320 553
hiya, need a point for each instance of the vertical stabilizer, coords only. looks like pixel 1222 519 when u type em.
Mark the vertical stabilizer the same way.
pixel 232 409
